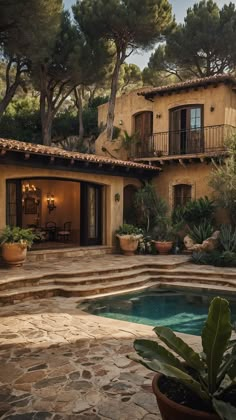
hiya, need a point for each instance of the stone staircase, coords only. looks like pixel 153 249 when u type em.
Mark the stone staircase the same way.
pixel 91 282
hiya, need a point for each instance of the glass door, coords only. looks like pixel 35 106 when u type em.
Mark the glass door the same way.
pixel 14 203
pixel 91 214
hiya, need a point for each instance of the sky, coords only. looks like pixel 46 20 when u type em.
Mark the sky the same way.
pixel 179 8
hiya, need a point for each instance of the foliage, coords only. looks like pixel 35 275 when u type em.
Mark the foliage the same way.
pixel 227 238
pixel 209 374
pixel 145 245
pixel 127 229
pixel 130 77
pixel 128 25
pixel 204 45
pixel 17 235
pixel 163 231
pixel 201 232
pixel 223 181
pixel 217 258
pixel 151 208
pixel 197 210
pixel 27 32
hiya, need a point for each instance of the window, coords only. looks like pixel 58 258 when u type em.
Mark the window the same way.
pixel 182 194
pixel 195 118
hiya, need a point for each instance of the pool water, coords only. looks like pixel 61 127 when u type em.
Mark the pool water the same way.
pixel 180 312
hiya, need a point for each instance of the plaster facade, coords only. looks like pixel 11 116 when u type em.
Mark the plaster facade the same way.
pixel 112 185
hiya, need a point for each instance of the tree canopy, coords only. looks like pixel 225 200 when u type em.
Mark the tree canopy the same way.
pixel 128 24
pixel 204 45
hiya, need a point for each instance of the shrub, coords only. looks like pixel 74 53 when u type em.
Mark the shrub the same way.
pixel 201 232
pixel 127 229
pixel 198 210
pixel 228 238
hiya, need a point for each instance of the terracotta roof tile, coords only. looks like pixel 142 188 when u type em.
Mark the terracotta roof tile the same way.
pixel 19 146
pixel 224 78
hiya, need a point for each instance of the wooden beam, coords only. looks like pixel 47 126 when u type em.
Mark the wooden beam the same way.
pixel 52 159
pixel 127 168
pixel 3 152
pixel 202 159
pixel 161 162
pixel 86 164
pixel 27 156
pixel 100 165
pixel 72 161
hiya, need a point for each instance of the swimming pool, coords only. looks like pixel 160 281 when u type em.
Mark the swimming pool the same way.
pixel 184 313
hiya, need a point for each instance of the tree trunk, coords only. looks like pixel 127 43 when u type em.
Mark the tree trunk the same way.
pixel 79 106
pixel 46 119
pixel 7 98
pixel 112 99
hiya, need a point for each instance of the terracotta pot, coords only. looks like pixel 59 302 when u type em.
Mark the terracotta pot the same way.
pixel 129 243
pixel 14 254
pixel 172 411
pixel 163 247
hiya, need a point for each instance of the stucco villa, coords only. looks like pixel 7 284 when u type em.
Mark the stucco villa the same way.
pixel 181 128
pixel 53 190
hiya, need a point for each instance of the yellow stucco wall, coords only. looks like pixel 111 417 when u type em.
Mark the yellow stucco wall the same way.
pixel 222 98
pixel 112 210
pixel 194 174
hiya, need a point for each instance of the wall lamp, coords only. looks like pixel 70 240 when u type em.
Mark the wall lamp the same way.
pixel 120 122
pixel 212 108
pixel 50 202
pixel 158 115
pixel 117 197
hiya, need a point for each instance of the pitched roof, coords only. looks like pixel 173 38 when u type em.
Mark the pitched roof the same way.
pixel 38 149
pixel 194 83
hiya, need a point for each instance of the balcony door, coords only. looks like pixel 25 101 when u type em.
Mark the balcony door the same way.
pixel 186 130
pixel 143 126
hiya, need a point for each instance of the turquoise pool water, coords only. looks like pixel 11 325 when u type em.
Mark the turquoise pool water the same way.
pixel 182 313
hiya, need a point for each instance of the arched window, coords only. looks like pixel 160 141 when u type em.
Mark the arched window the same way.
pixel 182 194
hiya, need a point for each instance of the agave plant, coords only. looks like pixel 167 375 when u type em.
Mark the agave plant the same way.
pixel 213 372
pixel 228 238
pixel 201 232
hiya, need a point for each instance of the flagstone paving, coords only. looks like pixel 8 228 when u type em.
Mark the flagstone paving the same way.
pixel 57 362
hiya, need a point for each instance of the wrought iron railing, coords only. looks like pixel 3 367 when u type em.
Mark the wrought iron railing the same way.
pixel 182 142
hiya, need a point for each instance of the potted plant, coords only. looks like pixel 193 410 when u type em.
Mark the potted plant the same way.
pixel 190 385
pixel 129 236
pixel 163 235
pixel 15 242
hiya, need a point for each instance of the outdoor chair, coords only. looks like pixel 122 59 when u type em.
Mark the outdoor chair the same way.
pixel 66 232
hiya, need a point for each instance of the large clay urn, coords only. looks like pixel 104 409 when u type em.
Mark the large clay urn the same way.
pixel 14 254
pixel 129 243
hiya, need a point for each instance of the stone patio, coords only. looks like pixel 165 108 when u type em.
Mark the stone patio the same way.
pixel 57 362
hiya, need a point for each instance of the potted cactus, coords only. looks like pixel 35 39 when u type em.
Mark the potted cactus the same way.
pixel 190 385
pixel 14 242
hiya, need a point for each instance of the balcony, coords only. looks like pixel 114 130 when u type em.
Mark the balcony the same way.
pixel 203 140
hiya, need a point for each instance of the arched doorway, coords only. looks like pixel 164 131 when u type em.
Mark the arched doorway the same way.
pixel 129 213
pixel 38 202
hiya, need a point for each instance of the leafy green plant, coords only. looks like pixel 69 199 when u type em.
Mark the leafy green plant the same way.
pixel 163 231
pixel 17 235
pixel 127 229
pixel 216 258
pixel 198 210
pixel 201 232
pixel 210 375
pixel 151 208
pixel 228 238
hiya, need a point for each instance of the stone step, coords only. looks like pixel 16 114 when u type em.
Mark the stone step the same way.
pixel 72 279
pixel 180 286
pixel 43 291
